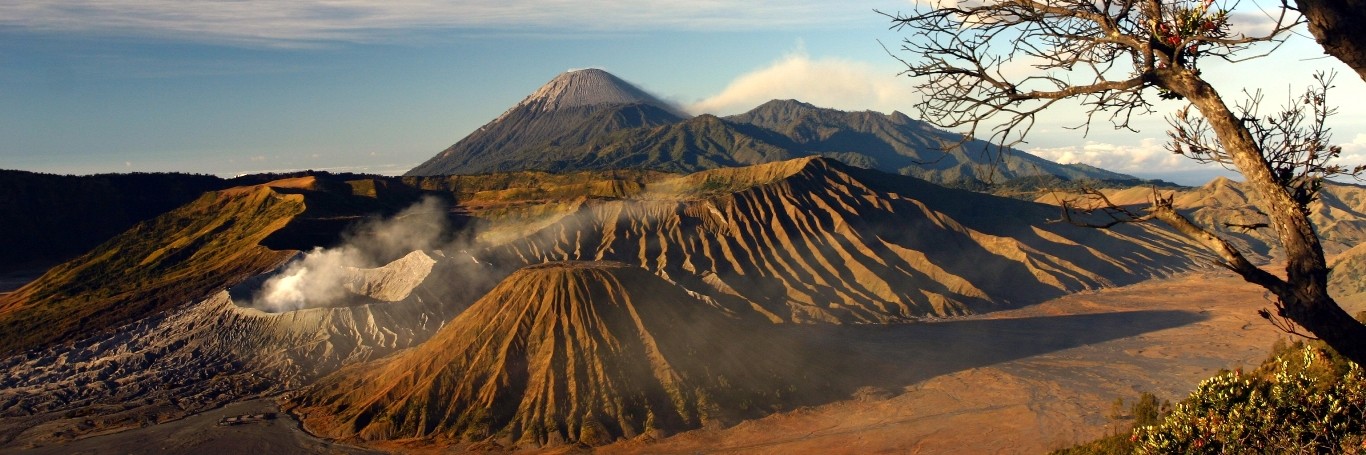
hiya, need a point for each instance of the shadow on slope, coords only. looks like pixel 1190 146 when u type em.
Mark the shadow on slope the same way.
pixel 592 352
pixel 895 356
pixel 813 240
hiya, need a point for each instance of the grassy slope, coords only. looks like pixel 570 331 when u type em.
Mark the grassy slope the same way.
pixel 160 263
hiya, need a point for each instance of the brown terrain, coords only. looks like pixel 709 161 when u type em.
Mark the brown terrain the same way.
pixel 1019 381
pixel 791 306
pixel 812 240
pixel 583 352
pixel 206 355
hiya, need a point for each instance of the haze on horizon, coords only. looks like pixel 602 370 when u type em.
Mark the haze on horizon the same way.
pixel 222 88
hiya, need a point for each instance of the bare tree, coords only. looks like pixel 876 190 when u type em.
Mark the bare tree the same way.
pixel 992 66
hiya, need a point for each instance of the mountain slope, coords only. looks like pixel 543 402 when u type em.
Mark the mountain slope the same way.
pixel 1227 209
pixel 590 120
pixel 702 142
pixel 896 143
pixel 173 259
pixel 218 240
pixel 576 352
pixel 566 112
pixel 220 350
pixel 811 240
pixel 51 218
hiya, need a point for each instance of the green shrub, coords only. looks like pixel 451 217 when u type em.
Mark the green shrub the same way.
pixel 1305 399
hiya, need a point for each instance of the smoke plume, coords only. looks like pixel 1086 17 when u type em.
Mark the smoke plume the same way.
pixel 318 278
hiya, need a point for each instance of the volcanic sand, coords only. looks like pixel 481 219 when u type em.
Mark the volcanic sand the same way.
pixel 1020 381
pixel 202 434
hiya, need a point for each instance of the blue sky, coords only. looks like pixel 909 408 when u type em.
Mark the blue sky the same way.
pixel 233 87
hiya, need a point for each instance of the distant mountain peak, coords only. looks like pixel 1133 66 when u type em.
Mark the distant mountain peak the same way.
pixel 567 112
pixel 790 103
pixel 590 119
pixel 589 87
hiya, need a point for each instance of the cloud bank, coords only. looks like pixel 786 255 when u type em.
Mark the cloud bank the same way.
pixel 826 82
pixel 1147 156
pixel 288 21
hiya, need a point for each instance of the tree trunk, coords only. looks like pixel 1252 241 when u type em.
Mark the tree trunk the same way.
pixel 1303 294
pixel 1340 27
pixel 1327 320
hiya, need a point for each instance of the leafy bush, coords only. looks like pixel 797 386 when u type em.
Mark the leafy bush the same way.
pixel 1304 399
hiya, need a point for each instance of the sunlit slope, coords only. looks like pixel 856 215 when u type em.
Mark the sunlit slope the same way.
pixel 575 352
pixel 50 218
pixel 189 253
pixel 1347 280
pixel 177 257
pixel 1225 207
pixel 814 240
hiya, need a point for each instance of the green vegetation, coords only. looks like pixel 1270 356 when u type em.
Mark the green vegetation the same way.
pixel 1305 398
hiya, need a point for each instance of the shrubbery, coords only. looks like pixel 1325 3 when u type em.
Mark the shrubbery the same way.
pixel 1305 398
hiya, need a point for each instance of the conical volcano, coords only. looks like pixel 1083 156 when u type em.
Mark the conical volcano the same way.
pixel 563 115
pixel 570 352
pixel 588 87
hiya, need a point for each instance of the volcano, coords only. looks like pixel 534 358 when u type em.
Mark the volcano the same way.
pixel 567 112
pixel 569 352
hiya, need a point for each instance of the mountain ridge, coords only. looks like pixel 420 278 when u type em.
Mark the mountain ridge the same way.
pixel 574 122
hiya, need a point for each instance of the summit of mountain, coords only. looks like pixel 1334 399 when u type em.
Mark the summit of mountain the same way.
pixel 588 87
pixel 570 110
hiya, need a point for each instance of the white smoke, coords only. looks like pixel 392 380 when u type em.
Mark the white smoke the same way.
pixel 318 279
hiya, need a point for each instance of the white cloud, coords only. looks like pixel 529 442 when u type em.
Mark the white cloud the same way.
pixel 826 82
pixel 1148 156
pixel 288 21
pixel 1354 152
